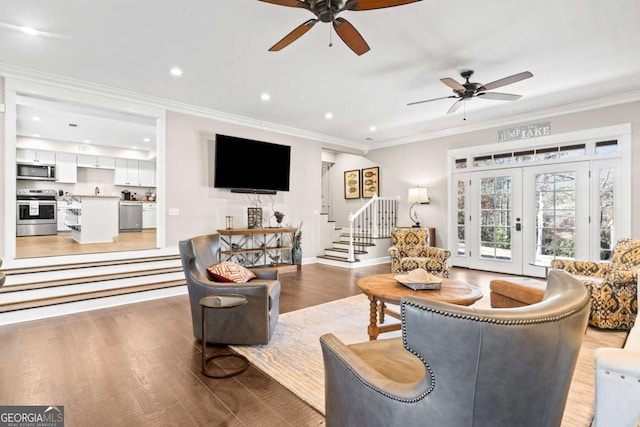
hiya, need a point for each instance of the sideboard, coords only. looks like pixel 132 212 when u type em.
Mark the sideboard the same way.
pixel 255 247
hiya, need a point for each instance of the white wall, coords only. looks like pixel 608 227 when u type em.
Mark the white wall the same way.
pixel 203 208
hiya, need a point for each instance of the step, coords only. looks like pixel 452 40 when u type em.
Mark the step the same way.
pixel 345 250
pixel 73 266
pixel 84 296
pixel 56 285
pixel 337 258
pixel 346 243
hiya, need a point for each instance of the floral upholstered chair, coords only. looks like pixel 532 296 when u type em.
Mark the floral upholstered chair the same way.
pixel 411 249
pixel 613 285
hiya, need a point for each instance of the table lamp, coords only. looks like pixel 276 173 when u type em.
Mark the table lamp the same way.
pixel 418 195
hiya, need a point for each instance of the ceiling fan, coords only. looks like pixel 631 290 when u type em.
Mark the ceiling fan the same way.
pixel 327 11
pixel 468 90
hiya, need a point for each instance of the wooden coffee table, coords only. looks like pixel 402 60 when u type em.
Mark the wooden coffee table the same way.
pixel 383 288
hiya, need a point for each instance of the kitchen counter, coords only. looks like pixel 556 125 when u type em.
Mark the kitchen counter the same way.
pixel 97 219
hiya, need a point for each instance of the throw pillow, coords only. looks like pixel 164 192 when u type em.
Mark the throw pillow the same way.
pixel 230 272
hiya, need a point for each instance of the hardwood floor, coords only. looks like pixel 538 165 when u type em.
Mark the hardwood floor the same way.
pixel 63 244
pixel 138 364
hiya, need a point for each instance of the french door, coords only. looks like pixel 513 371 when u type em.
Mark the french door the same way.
pixel 516 220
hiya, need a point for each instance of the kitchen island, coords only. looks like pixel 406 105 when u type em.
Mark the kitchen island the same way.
pixel 96 221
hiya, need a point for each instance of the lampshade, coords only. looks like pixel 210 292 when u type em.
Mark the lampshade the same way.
pixel 418 195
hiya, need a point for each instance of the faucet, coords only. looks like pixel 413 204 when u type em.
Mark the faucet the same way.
pixel 97 191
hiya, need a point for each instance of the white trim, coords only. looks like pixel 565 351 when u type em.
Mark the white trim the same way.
pixel 621 132
pixel 545 113
pixel 20 316
pixel 39 80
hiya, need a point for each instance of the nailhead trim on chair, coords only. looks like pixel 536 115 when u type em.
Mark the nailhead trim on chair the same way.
pixel 477 318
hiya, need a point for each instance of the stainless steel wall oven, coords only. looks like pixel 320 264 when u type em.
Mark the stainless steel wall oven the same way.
pixel 36 213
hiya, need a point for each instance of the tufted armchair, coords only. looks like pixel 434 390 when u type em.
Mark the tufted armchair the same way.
pixel 251 323
pixel 458 366
pixel 412 249
pixel 613 285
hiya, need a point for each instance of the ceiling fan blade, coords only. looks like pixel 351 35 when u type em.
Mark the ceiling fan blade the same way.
pixel 290 3
pixel 374 4
pixel 507 80
pixel 453 84
pixel 293 35
pixel 350 36
pixel 455 106
pixel 499 96
pixel 429 100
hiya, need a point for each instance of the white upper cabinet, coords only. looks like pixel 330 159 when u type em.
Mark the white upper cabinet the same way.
pixel 88 161
pixel 127 172
pixel 147 173
pixel 35 156
pixel 66 168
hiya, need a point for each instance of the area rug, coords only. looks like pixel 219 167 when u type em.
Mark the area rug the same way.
pixel 293 357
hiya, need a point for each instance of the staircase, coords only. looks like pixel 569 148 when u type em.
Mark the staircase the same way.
pixel 33 293
pixel 367 240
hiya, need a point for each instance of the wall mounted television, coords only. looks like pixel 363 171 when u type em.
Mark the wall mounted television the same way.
pixel 248 166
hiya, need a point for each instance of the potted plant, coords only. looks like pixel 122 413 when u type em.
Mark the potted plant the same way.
pixel 296 243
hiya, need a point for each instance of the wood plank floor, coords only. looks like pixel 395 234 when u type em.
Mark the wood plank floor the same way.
pixel 63 244
pixel 138 364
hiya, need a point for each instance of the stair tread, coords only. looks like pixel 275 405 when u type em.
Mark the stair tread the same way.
pixel 337 258
pixel 59 267
pixel 87 279
pixel 356 251
pixel 343 242
pixel 83 296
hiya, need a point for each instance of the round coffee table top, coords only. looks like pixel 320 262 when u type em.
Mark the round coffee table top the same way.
pixel 384 287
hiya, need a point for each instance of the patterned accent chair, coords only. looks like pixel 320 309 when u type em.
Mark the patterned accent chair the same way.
pixel 613 285
pixel 411 249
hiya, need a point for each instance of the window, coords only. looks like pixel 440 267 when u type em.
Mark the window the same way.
pixel 607 178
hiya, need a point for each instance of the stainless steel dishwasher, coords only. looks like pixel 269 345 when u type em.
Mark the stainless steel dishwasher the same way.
pixel 130 216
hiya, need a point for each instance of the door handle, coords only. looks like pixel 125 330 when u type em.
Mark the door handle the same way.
pixel 518 227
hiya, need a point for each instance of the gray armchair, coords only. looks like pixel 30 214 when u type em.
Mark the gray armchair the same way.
pixel 251 323
pixel 462 366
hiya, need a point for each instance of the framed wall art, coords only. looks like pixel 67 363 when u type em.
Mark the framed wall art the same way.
pixel 370 182
pixel 352 184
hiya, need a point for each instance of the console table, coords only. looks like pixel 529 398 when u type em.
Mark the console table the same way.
pixel 252 247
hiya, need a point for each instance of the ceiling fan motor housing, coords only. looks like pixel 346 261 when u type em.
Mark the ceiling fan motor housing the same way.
pixel 326 10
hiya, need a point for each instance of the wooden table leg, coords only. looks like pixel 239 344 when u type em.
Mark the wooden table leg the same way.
pixel 373 319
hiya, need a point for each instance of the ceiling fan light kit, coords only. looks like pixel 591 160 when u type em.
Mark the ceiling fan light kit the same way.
pixel 468 90
pixel 327 11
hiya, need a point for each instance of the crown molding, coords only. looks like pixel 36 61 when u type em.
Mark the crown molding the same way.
pixel 557 110
pixel 67 83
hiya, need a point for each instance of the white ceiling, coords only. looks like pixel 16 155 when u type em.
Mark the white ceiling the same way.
pixel 580 52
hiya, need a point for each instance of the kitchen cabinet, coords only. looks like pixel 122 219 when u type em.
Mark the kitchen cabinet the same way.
pixel 147 173
pixel 88 161
pixel 66 168
pixel 35 156
pixel 96 221
pixel 135 172
pixel 67 214
pixel 149 217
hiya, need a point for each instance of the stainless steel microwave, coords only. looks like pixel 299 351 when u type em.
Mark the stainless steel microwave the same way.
pixel 36 172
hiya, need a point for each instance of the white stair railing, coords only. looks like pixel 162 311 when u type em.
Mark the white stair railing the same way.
pixel 374 219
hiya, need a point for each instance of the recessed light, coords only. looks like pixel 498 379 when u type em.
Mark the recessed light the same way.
pixel 36 135
pixel 146 139
pixel 328 116
pixel 265 97
pixel 135 147
pixel 175 71
pixel 87 141
pixel 36 118
pixel 30 31
pixel 373 129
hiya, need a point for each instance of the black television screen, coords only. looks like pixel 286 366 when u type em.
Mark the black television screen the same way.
pixel 253 166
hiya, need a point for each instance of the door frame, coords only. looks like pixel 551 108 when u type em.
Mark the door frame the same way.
pixel 589 137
